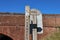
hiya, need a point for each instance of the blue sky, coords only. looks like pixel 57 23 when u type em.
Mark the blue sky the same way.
pixel 18 6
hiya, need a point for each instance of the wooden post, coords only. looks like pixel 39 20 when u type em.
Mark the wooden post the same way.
pixel 34 32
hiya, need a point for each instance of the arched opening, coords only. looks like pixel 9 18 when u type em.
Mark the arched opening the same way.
pixel 5 37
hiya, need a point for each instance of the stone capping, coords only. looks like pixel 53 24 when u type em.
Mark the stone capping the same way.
pixel 7 13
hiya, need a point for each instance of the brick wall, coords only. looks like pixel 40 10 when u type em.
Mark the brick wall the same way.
pixel 13 25
pixel 52 20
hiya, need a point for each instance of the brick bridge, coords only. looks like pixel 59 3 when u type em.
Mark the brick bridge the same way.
pixel 13 25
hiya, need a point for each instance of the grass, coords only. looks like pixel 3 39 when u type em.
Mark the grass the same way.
pixel 54 36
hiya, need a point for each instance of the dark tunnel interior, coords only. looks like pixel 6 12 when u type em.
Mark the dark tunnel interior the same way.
pixel 5 37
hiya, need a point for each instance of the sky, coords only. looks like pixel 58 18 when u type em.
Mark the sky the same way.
pixel 18 6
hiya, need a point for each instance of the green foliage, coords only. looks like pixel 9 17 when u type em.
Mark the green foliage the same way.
pixel 54 36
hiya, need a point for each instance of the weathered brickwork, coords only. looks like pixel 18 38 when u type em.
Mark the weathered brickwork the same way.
pixel 14 25
pixel 52 20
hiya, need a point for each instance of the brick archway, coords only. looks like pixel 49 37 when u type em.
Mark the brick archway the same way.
pixel 5 37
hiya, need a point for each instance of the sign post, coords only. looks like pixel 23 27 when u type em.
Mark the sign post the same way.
pixel 33 23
